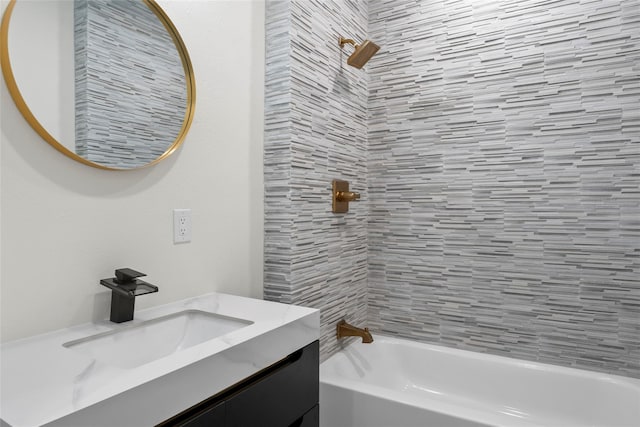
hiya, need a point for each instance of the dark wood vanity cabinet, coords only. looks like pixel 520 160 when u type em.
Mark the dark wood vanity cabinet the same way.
pixel 283 395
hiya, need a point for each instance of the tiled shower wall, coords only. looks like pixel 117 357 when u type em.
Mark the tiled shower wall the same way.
pixel 316 131
pixel 501 189
pixel 504 178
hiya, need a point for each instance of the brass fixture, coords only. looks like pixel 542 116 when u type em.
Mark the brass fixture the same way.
pixel 342 196
pixel 39 128
pixel 343 329
pixel 362 53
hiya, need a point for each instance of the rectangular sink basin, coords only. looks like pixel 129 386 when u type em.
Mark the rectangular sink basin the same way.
pixel 145 342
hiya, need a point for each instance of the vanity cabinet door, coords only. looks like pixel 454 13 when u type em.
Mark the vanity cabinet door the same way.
pixel 210 417
pixel 282 397
pixel 310 419
pixel 285 394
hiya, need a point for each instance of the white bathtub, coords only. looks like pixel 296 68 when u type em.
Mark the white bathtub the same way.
pixel 399 383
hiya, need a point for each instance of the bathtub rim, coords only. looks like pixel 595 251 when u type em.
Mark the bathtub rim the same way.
pixel 512 361
pixel 499 418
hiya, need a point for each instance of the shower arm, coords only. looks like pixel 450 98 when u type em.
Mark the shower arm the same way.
pixel 343 41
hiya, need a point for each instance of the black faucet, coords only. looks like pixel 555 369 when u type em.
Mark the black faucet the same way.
pixel 125 287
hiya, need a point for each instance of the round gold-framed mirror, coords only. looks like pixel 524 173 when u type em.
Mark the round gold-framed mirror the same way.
pixel 122 94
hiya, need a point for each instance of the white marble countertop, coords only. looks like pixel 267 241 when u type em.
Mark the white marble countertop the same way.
pixel 44 383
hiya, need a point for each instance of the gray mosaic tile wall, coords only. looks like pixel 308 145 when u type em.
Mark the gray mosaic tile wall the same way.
pixel 125 54
pixel 504 178
pixel 498 155
pixel 316 131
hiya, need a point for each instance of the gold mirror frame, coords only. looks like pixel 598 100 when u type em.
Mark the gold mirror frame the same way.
pixel 35 124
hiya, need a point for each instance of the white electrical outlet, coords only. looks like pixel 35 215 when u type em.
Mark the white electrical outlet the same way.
pixel 181 225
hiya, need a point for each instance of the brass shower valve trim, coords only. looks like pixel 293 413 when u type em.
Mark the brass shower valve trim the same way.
pixel 342 196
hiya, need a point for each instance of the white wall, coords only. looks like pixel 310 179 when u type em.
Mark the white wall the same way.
pixel 64 225
pixel 41 52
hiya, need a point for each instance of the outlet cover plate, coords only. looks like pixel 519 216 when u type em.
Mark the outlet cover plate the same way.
pixel 181 225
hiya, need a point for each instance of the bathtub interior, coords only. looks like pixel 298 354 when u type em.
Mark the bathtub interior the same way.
pixel 489 389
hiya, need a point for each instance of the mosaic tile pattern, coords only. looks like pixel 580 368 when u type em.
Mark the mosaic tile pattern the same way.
pixel 125 54
pixel 504 178
pixel 315 132
pixel 501 191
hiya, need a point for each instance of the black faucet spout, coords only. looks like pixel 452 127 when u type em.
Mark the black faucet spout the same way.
pixel 125 287
pixel 122 308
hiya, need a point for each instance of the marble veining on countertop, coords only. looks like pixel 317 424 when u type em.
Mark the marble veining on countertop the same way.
pixel 42 381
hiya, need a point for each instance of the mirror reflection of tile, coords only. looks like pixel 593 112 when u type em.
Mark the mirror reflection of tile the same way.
pixel 124 53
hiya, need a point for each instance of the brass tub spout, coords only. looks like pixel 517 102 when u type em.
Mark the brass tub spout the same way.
pixel 343 329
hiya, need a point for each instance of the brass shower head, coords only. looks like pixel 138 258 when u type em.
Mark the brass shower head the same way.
pixel 362 54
